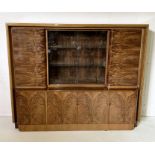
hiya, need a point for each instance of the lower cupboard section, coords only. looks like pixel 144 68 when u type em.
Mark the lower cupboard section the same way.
pixel 76 110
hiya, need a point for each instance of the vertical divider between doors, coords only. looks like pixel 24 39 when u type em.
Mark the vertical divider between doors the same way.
pixel 108 122
pixel 77 105
pixel 46 104
pixel 137 104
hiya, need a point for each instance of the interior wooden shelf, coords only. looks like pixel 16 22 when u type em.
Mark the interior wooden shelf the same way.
pixel 78 47
pixel 76 65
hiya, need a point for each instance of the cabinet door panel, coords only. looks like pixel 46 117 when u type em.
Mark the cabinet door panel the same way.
pixel 61 107
pixel 124 57
pixel 70 108
pixel 122 107
pixel 54 108
pixel 100 107
pixel 92 107
pixel 85 115
pixel 31 107
pixel 28 53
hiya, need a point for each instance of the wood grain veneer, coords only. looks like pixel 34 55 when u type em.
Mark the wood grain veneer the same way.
pixel 29 59
pixel 124 57
pixel 31 107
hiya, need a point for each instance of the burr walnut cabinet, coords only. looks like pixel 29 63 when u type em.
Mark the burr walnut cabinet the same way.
pixel 76 77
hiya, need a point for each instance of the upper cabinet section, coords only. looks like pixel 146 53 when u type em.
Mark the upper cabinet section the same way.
pixel 29 57
pixel 124 57
pixel 77 56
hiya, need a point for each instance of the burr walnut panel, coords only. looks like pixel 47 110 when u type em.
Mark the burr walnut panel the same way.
pixel 61 107
pixel 31 107
pixel 77 107
pixel 92 107
pixel 84 108
pixel 122 107
pixel 100 107
pixel 69 112
pixel 124 57
pixel 54 108
pixel 28 47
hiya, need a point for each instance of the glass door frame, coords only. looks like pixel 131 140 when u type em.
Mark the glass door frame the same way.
pixel 78 86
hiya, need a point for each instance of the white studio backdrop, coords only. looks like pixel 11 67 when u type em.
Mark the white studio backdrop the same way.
pixel 79 18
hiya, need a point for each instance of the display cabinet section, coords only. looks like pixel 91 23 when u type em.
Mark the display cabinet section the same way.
pixel 123 106
pixel 77 56
pixel 124 57
pixel 31 107
pixel 29 56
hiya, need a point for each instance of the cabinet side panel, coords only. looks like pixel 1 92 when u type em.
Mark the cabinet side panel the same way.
pixel 31 107
pixel 123 106
pixel 124 57
pixel 29 56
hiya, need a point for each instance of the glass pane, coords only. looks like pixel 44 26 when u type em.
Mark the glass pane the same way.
pixel 76 57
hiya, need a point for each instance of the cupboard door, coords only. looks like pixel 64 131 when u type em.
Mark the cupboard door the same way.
pixel 124 57
pixel 70 108
pixel 122 107
pixel 31 107
pixel 61 107
pixel 100 107
pixel 54 108
pixel 28 53
pixel 92 107
pixel 85 115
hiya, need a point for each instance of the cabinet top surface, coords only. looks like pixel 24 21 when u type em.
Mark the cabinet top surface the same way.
pixel 79 25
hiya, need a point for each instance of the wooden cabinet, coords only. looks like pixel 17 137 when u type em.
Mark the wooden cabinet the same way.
pixel 76 77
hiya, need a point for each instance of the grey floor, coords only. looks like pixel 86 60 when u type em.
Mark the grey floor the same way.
pixel 144 132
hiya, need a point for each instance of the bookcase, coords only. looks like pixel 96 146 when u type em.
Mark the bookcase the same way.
pixel 76 77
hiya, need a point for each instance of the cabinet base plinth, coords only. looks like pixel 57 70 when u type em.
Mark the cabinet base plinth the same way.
pixel 70 127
